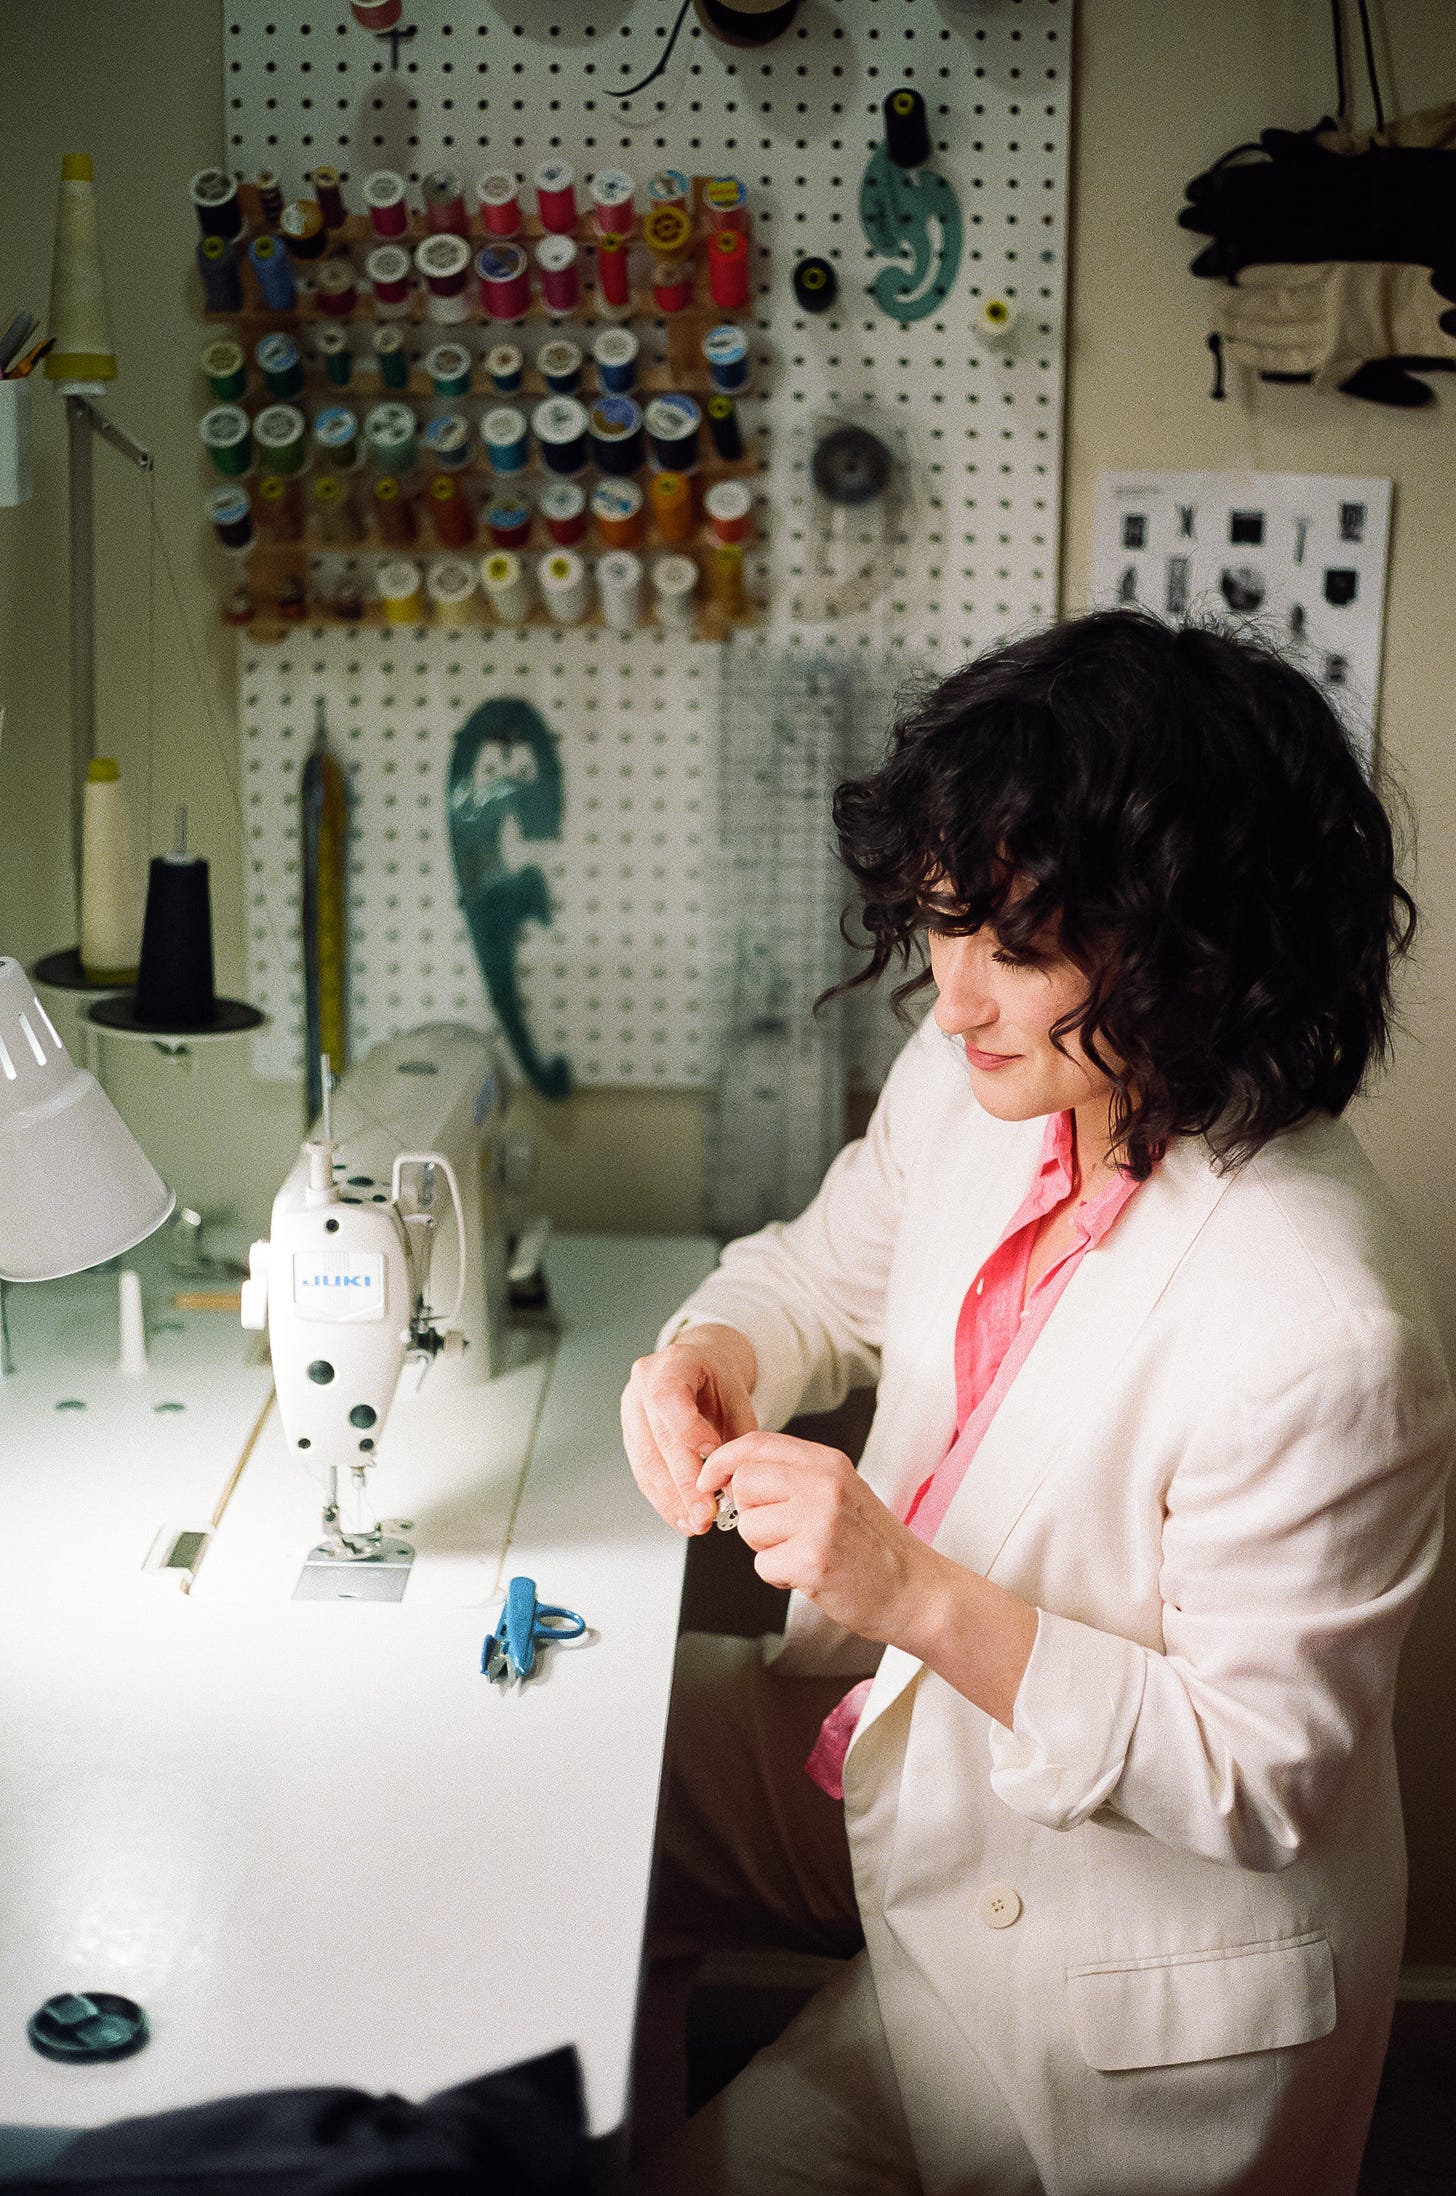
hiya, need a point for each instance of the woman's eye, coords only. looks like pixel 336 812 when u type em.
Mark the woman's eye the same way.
pixel 1010 960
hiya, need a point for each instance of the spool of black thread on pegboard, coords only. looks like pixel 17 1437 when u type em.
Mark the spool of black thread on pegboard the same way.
pixel 907 130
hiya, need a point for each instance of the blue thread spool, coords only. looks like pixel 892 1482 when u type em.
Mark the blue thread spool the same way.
pixel 507 439
pixel 272 267
pixel 615 352
pixel 448 367
pixel 726 351
pixel 616 435
pixel 672 432
pixel 560 427
pixel 447 442
pixel 231 512
pixel 222 282
pixel 280 365
pixel 507 368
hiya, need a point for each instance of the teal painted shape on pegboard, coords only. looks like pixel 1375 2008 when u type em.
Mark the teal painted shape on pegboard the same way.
pixel 899 208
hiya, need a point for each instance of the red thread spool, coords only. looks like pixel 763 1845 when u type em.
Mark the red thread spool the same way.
pixel 394 513
pixel 556 256
pixel 445 204
pixel 335 289
pixel 376 15
pixel 555 182
pixel 614 270
pixel 450 512
pixel 672 285
pixel 328 190
pixel 611 193
pixel 509 520
pixel 725 203
pixel 728 268
pixel 563 507
pixel 388 269
pixel 444 261
pixel 504 274
pixel 500 209
pixel 385 198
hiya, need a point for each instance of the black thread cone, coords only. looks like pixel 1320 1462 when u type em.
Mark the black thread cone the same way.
pixel 174 980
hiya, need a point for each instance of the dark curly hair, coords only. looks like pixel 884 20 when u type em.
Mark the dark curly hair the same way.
pixel 1180 808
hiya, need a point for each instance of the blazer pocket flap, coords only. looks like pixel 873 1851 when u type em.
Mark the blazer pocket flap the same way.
pixel 1203 2005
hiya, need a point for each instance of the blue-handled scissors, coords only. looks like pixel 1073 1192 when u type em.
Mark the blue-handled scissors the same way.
pixel 524 1624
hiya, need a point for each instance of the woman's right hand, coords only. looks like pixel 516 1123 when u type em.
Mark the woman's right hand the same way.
pixel 681 1404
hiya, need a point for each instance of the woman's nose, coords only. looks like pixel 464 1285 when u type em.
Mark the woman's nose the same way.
pixel 966 1001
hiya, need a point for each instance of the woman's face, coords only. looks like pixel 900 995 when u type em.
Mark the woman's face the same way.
pixel 1004 1009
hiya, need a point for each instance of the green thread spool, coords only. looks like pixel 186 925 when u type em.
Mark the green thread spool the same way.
pixel 227 439
pixel 389 430
pixel 282 437
pixel 226 369
pixel 336 439
pixel 333 349
pixel 280 365
pixel 448 367
pixel 393 362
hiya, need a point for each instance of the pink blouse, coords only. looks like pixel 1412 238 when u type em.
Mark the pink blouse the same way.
pixel 994 1337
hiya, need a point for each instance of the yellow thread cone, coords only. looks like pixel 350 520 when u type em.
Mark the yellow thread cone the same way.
pixel 79 320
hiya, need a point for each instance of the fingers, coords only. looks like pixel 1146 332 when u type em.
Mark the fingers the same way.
pixel 664 1387
pixel 649 1467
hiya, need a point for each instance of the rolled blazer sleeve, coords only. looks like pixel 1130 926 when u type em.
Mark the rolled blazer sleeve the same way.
pixel 810 1293
pixel 1299 1533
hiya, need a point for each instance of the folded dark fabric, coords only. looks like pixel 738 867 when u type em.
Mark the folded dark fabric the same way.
pixel 521 2132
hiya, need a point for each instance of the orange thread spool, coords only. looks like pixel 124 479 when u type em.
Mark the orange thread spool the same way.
pixel 394 512
pixel 672 506
pixel 450 512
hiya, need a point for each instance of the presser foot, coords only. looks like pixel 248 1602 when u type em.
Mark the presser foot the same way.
pixel 356 1567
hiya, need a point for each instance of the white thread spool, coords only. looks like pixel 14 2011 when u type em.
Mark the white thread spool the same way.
pixel 565 586
pixel 996 319
pixel 17 462
pixel 507 585
pixel 133 1358
pixel 674 584
pixel 619 582
pixel 111 892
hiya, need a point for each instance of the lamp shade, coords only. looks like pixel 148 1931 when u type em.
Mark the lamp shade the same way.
pixel 75 1186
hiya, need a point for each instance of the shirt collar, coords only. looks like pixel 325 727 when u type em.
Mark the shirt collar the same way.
pixel 1054 1181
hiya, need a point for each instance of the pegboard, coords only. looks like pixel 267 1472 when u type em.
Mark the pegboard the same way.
pixel 974 425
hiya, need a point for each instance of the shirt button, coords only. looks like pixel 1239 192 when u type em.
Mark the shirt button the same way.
pixel 998 1906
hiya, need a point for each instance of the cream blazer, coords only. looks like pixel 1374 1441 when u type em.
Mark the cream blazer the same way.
pixel 1163 1912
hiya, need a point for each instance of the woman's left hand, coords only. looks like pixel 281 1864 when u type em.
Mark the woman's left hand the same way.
pixel 815 1525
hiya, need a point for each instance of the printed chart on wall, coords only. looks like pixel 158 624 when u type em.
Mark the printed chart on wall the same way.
pixel 1300 556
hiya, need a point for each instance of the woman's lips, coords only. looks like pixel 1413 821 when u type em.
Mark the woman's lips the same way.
pixel 988 1060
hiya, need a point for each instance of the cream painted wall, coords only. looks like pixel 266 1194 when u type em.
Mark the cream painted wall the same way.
pixel 1162 88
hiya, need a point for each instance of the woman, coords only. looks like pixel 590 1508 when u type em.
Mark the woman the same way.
pixel 1151 1493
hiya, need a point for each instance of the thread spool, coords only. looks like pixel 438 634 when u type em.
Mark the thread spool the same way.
pixel 560 427
pixel 389 430
pixel 506 367
pixel 725 205
pixel 301 225
pixel 507 585
pixel 391 356
pixel 446 442
pixel 667 232
pixel 281 433
pixel 448 367
pixel 672 506
pixel 174 988
pixel 444 264
pixel 816 285
pixel 619 583
pixel 611 196
pixel 328 189
pixel 111 913
pixel 402 592
pixel 508 520
pixel 388 272
pixel 504 274
pixel 672 285
pixel 563 508
pixel 376 15
pixel 724 428
pixel 728 269
pixel 620 511
pixel 500 208
pixel 450 512
pixel 445 204
pixel 559 365
pixel 615 427
pixel 388 207
pixel 672 432
pixel 231 513
pixel 290 599
pixel 555 183
pixel 996 319
pixel 669 188
pixel 270 197
pixel 270 264
pixel 565 587
pixel 238 606
pixel 394 513
pixel 907 130
pixel 507 440
pixel 335 288
pixel 334 517
pixel 227 438
pixel 333 347
pixel 615 353
pixel 728 506
pixel 222 281
pixel 559 266
pixel 226 370
pixel 345 595
pixel 452 590
pixel 725 352
pixel 336 438
pixel 725 580
pixel 279 507
pixel 278 362
pixel 219 210
pixel 614 272
pixel 674 589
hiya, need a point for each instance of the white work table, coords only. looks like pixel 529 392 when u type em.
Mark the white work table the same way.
pixel 309 1838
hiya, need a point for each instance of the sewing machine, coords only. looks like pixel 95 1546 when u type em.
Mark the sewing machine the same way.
pixel 386 1219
